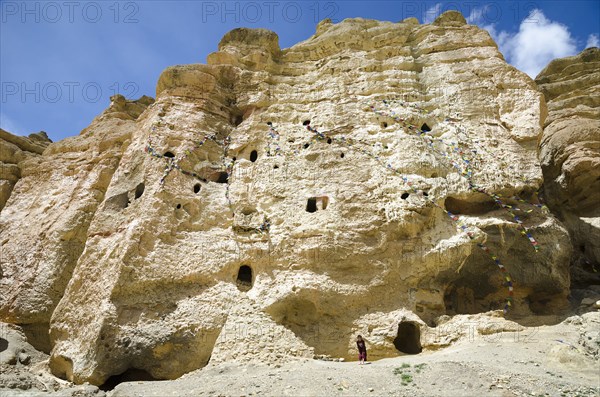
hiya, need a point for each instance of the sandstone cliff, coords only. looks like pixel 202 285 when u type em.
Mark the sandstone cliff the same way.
pixel 271 205
pixel 45 221
pixel 13 150
pixel 570 154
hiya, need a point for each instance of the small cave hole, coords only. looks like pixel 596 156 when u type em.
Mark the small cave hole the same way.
pixel 139 190
pixel 311 205
pixel 329 141
pixel 197 188
pixel 434 175
pixel 275 167
pixel 221 177
pixel 269 123
pixel 306 122
pixel 244 278
pixel 253 156
pixel 408 339
pixel 342 155
pixel 238 120
pixel 131 375
pixel 425 194
pixel 306 145
pixel 169 155
pixel 425 128
pixel 404 196
pixel 233 158
pixel 3 344
pixel 384 125
pixel 178 206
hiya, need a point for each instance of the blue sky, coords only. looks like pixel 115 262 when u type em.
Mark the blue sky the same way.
pixel 62 60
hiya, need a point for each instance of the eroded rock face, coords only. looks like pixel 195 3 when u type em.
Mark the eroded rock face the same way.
pixel 13 150
pixel 570 154
pixel 306 240
pixel 45 222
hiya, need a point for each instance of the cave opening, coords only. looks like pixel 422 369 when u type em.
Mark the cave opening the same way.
pixel 306 122
pixel 404 196
pixel 468 207
pixel 425 128
pixel 342 155
pixel 384 125
pixel 329 141
pixel 311 205
pixel 130 375
pixel 253 156
pixel 408 338
pixel 238 120
pixel 197 188
pixel 244 278
pixel 169 155
pixel 3 344
pixel 223 177
pixel 139 190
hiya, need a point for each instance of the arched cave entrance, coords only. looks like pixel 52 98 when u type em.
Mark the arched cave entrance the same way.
pixel 169 155
pixel 425 128
pixel 408 339
pixel 244 278
pixel 131 375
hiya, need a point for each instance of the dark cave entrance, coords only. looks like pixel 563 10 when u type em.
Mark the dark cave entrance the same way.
pixel 3 344
pixel 223 177
pixel 253 156
pixel 139 190
pixel 244 278
pixel 408 339
pixel 311 205
pixel 130 375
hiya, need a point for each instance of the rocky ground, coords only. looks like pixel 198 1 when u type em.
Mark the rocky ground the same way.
pixel 539 360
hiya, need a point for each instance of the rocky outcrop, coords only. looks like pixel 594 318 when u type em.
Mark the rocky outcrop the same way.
pixel 13 150
pixel 45 221
pixel 270 205
pixel 570 154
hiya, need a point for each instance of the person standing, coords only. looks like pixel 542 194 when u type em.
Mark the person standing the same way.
pixel 362 349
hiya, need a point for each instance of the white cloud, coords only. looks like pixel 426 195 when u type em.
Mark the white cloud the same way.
pixel 8 124
pixel 538 41
pixel 476 16
pixel 592 41
pixel 432 13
